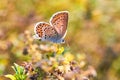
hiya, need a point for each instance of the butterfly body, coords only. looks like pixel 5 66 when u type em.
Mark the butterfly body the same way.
pixel 53 31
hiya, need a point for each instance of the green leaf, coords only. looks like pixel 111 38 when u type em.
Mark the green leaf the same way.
pixel 10 76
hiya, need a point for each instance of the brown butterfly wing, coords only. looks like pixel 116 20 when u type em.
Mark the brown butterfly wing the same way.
pixel 45 31
pixel 39 28
pixel 59 21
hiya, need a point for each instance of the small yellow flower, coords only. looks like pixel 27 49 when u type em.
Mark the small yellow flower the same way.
pixel 60 50
pixel 66 62
pixel 55 64
pixel 69 57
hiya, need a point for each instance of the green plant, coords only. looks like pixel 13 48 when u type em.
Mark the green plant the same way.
pixel 19 73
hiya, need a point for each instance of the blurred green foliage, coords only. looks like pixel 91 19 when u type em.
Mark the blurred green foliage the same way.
pixel 19 73
pixel 93 33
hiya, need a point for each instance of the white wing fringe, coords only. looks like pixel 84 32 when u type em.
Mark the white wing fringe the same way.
pixel 36 36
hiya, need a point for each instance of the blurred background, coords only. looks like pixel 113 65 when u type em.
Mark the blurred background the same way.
pixel 93 31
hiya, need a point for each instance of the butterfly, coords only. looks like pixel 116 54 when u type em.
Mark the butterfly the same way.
pixel 54 31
